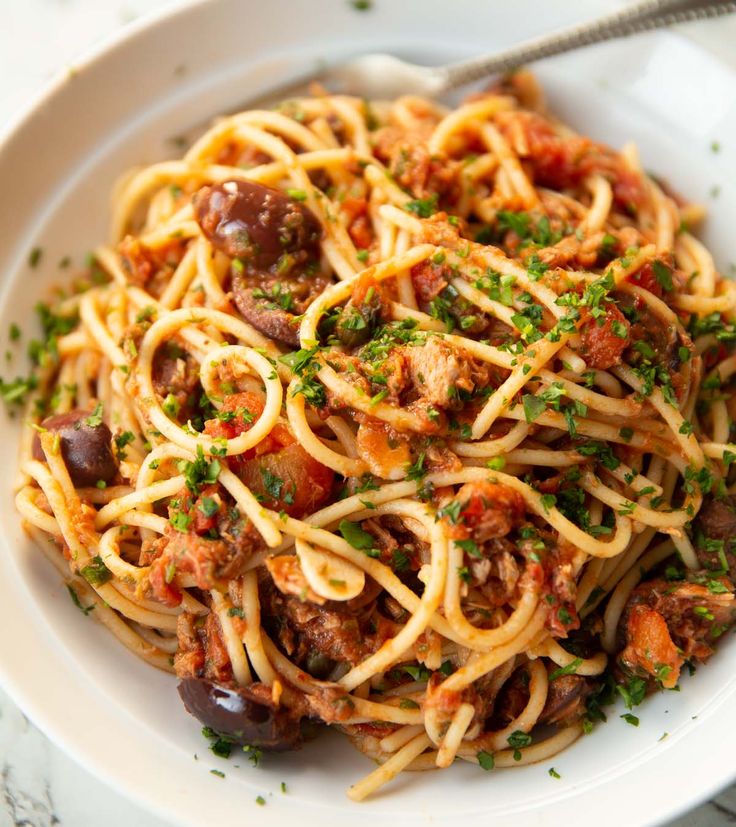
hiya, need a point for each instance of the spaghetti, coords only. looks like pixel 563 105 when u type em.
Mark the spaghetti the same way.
pixel 409 421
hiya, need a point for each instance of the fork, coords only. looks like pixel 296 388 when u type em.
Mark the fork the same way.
pixel 386 76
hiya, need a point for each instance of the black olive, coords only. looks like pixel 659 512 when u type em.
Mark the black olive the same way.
pixel 86 449
pixel 566 699
pixel 256 224
pixel 271 320
pixel 243 714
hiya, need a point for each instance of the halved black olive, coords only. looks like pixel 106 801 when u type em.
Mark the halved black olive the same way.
pixel 86 448
pixel 244 714
pixel 256 224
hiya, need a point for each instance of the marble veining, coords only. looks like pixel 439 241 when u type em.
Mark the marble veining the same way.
pixel 22 805
pixel 39 785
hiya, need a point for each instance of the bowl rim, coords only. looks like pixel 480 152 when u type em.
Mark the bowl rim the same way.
pixel 88 60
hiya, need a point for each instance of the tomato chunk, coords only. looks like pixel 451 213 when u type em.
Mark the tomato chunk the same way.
pixel 605 339
pixel 289 479
pixel 650 646
pixel 277 470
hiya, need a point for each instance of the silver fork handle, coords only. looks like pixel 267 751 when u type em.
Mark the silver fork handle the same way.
pixel 642 16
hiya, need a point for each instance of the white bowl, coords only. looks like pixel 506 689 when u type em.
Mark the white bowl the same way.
pixel 121 719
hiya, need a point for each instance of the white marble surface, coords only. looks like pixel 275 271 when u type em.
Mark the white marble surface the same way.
pixel 39 785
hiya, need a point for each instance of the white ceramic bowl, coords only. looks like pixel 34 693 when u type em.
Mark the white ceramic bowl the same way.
pixel 122 719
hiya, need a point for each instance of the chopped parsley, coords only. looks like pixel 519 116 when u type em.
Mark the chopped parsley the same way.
pixel 422 207
pixel 15 391
pixel 272 483
pixel 94 420
pixel 171 406
pixel 517 222
pixel 527 322
pixel 208 506
pixel 277 297
pixel 607 250
pixel 663 274
pixel 602 451
pixel 702 478
pixel 121 440
pixel 356 536
pixel 399 559
pixel 534 406
pixel 451 511
pixel 620 329
pixel 200 472
pixel 535 267
pixel 570 669
pixel 469 546
pixel 180 521
pixel 520 223
pixel 85 610
pixel 497 287
pixel 303 364
pixel 548 501
pixel 633 691
pixel 53 326
pixel 519 739
pixel 486 760
pixel 441 307
pixel 96 572
pixel 299 360
pixel 417 673
pixel 417 471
